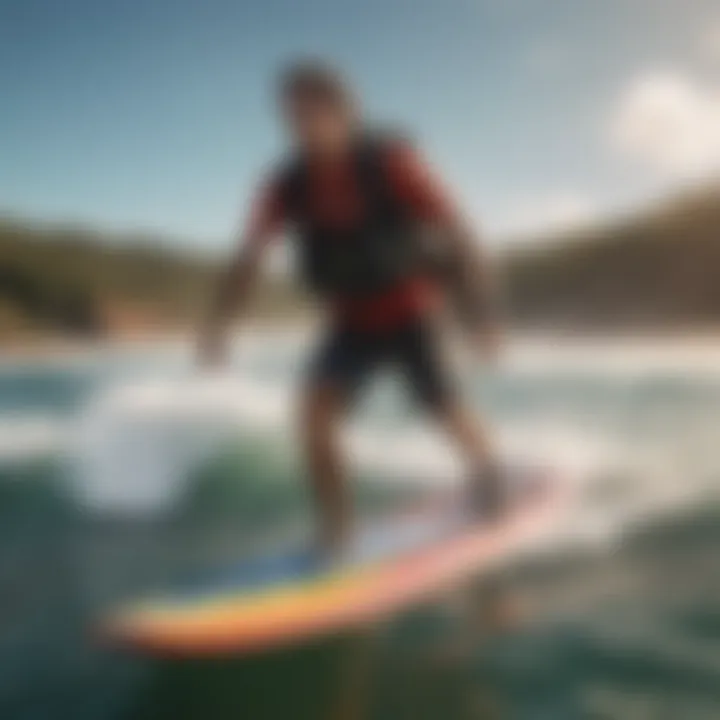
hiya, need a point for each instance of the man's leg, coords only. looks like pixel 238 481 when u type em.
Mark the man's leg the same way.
pixel 464 428
pixel 339 369
pixel 321 416
pixel 431 376
pixel 467 432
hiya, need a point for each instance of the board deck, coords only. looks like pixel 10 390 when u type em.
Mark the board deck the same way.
pixel 289 597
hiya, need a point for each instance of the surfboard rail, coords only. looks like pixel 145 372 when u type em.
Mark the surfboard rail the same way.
pixel 240 623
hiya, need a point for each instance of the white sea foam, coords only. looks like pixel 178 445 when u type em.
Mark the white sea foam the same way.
pixel 626 358
pixel 139 443
pixel 134 446
pixel 29 437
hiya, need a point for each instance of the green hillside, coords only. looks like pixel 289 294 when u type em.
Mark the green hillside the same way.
pixel 78 282
pixel 72 280
pixel 659 269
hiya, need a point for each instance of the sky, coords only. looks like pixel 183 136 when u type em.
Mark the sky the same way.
pixel 538 114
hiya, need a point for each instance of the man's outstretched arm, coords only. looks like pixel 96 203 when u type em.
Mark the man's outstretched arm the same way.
pixel 473 278
pixel 237 282
pixel 231 297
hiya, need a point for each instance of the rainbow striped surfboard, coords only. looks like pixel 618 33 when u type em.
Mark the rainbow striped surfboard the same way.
pixel 289 598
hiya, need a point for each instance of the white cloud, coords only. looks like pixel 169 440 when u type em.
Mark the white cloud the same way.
pixel 670 122
pixel 559 212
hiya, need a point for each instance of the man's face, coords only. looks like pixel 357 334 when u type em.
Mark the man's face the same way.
pixel 316 124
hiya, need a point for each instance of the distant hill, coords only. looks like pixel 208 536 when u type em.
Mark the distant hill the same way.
pixel 659 269
pixel 73 281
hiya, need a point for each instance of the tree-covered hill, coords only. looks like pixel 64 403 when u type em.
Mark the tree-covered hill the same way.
pixel 658 269
pixel 76 281
pixel 65 280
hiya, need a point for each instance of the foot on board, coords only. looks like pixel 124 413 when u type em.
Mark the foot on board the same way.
pixel 489 493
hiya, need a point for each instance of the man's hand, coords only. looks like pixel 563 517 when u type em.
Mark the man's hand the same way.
pixel 212 349
pixel 232 295
pixel 487 340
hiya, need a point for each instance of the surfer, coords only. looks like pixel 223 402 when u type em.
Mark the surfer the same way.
pixel 374 229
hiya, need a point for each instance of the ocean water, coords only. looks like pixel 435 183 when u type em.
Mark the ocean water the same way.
pixel 122 470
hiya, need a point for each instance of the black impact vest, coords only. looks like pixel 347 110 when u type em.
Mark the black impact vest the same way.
pixel 382 247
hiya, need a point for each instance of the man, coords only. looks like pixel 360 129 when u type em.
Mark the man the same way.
pixel 360 204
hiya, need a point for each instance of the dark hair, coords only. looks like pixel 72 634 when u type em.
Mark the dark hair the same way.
pixel 316 80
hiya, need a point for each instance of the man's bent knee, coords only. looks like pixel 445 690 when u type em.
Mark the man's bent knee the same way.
pixel 321 410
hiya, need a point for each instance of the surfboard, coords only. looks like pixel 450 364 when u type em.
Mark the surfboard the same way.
pixel 290 597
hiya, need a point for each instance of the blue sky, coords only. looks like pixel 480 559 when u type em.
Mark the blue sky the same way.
pixel 158 114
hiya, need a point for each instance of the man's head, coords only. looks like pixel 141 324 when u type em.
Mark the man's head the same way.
pixel 318 106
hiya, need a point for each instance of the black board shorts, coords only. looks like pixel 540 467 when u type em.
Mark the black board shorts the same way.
pixel 348 357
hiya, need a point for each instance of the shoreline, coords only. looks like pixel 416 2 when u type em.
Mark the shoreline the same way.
pixel 51 348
